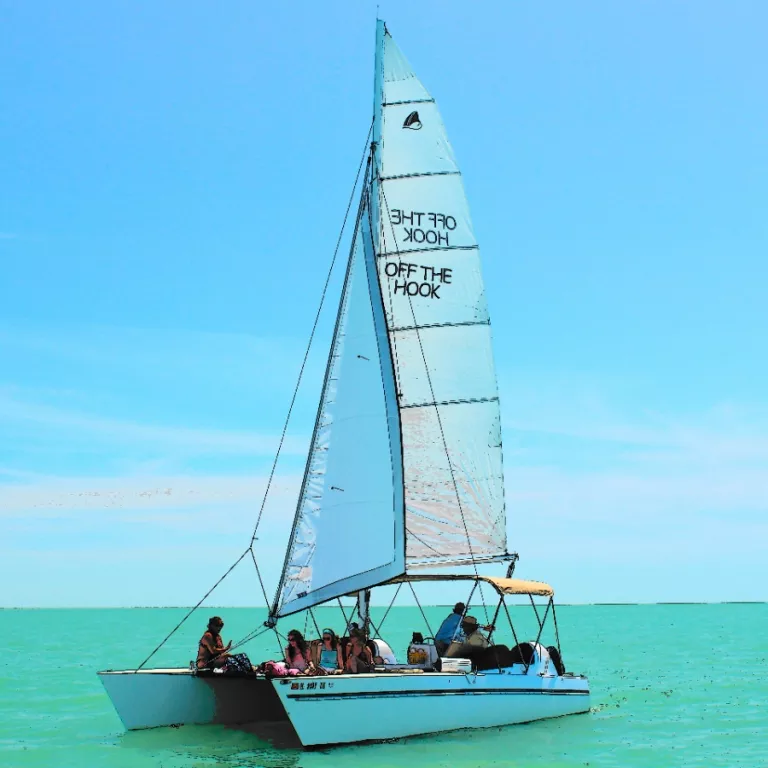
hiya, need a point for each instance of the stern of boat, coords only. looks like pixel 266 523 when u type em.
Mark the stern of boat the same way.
pixel 154 698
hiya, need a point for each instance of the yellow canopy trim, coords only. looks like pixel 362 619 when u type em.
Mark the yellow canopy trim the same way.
pixel 502 586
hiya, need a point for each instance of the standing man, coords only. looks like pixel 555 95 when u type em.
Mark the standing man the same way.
pixel 448 628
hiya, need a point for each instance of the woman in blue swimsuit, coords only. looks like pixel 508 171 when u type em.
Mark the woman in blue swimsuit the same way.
pixel 329 657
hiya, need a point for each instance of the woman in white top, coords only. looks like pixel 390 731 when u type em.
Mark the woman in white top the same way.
pixel 297 652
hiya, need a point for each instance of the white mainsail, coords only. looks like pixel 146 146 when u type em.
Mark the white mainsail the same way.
pixel 405 467
pixel 440 335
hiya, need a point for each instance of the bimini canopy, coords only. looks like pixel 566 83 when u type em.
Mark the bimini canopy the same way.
pixel 502 586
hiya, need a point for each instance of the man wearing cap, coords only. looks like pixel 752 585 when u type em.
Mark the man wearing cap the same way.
pixel 471 640
pixel 444 635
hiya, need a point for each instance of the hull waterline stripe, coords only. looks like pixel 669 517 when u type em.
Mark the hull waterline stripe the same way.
pixel 419 175
pixel 403 694
pixel 451 402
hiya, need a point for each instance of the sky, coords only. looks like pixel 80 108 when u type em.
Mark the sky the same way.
pixel 173 179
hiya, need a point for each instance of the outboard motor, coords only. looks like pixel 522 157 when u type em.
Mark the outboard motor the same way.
pixel 383 650
pixel 557 659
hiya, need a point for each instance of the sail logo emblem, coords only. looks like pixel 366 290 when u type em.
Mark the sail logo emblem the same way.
pixel 412 121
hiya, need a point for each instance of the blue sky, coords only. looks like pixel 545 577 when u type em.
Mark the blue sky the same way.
pixel 174 176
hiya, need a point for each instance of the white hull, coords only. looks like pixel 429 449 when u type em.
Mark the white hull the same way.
pixel 340 709
pixel 159 697
pixel 349 708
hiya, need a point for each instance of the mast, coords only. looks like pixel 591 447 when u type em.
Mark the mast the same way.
pixel 363 608
pixel 378 100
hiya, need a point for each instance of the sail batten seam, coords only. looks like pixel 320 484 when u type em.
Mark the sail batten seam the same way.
pixel 402 251
pixel 407 101
pixel 468 401
pixel 419 175
pixel 439 325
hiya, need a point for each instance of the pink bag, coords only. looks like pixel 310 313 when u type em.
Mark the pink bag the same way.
pixel 278 669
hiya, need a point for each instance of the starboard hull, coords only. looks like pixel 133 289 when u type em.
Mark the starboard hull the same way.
pixel 352 708
pixel 161 697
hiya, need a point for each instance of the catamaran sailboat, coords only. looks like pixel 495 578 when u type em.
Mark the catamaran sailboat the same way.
pixel 407 438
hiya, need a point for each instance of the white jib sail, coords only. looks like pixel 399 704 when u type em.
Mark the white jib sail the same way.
pixel 439 328
pixel 348 531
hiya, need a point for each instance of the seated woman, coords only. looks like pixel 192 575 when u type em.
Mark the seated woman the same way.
pixel 211 651
pixel 297 652
pixel 328 653
pixel 359 658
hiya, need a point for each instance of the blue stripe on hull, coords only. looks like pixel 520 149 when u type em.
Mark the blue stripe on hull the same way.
pixel 402 694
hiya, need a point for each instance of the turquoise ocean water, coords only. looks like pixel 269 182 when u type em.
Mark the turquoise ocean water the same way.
pixel 672 685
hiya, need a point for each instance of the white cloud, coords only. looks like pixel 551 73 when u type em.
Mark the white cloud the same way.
pixel 135 497
pixel 185 440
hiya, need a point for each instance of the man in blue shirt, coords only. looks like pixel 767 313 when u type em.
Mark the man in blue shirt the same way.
pixel 448 629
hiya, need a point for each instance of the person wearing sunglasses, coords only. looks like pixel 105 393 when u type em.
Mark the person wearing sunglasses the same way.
pixel 359 657
pixel 328 653
pixel 297 652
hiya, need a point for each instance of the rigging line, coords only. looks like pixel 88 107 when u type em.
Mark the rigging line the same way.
pixel 484 604
pixel 538 637
pixel 250 636
pixel 493 621
pixel 258 575
pixel 264 592
pixel 467 606
pixel 192 610
pixel 432 391
pixel 509 619
pixel 386 613
pixel 557 633
pixel 314 621
pixel 312 335
pixel 346 620
pixel 536 611
pixel 424 615
pixel 357 608
pixel 376 629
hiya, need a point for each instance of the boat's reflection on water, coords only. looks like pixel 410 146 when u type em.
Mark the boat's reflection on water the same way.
pixel 251 745
pixel 273 745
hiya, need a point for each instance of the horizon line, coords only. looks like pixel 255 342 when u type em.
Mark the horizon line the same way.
pixel 434 605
